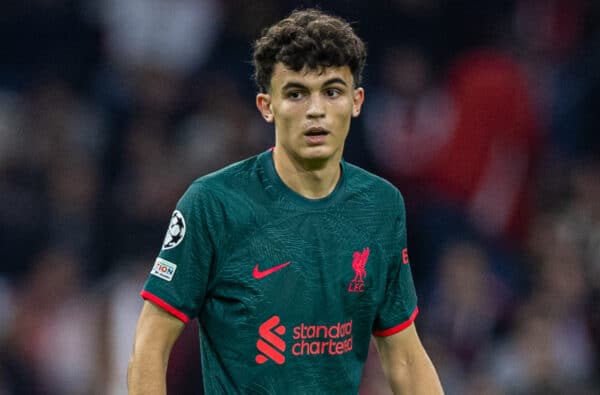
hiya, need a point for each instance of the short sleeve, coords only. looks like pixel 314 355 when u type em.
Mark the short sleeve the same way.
pixel 178 279
pixel 399 306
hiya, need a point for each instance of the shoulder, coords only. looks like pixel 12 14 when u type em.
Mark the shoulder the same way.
pixel 231 177
pixel 373 186
pixel 225 185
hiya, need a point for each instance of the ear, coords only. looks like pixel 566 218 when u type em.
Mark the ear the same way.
pixel 263 103
pixel 357 101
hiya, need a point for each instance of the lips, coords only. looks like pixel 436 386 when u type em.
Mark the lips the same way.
pixel 316 136
pixel 316 131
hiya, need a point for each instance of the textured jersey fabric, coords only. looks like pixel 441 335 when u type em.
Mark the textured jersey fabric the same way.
pixel 287 290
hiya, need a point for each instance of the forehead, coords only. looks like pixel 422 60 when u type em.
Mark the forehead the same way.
pixel 283 76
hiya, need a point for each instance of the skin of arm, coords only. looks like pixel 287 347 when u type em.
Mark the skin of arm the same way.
pixel 155 335
pixel 406 364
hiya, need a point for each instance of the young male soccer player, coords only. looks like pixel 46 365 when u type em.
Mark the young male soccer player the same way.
pixel 291 259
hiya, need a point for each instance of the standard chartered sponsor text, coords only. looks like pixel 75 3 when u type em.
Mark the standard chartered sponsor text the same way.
pixel 322 339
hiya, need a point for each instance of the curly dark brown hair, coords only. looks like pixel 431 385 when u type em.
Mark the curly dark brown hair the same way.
pixel 308 38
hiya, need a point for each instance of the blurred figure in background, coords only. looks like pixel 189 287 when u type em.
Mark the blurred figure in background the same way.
pixel 219 129
pixel 50 174
pixel 146 185
pixel 466 291
pixel 153 45
pixel 54 331
pixel 465 147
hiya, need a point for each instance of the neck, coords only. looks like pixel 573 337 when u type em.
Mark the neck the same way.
pixel 311 179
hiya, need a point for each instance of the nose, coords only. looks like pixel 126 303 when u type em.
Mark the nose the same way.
pixel 316 106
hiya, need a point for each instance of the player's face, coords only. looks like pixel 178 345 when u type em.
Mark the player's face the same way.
pixel 311 110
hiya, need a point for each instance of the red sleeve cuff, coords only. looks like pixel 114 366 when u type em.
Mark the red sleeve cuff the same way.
pixel 164 305
pixel 399 327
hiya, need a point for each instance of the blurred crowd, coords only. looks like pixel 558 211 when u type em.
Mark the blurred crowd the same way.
pixel 484 114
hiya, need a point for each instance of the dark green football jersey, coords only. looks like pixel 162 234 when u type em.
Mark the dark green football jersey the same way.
pixel 287 290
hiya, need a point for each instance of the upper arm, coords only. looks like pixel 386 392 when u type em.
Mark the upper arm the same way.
pixel 156 331
pixel 155 335
pixel 399 349
pixel 406 363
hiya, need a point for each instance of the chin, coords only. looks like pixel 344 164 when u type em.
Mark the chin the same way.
pixel 318 153
pixel 322 152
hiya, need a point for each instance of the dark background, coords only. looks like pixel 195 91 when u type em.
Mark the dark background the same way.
pixel 485 114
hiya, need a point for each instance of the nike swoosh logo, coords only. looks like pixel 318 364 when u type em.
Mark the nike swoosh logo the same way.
pixel 258 274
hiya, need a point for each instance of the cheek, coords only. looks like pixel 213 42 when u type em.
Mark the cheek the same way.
pixel 345 116
pixel 282 124
pixel 288 118
pixel 285 125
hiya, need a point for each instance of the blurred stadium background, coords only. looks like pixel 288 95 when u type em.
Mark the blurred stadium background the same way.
pixel 486 115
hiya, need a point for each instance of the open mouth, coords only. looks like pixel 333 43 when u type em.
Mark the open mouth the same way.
pixel 316 132
pixel 316 136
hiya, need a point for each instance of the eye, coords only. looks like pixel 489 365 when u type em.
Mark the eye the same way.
pixel 332 92
pixel 294 95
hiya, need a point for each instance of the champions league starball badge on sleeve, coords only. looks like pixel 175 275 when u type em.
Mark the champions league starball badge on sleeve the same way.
pixel 175 232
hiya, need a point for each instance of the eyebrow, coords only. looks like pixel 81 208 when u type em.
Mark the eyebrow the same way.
pixel 293 84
